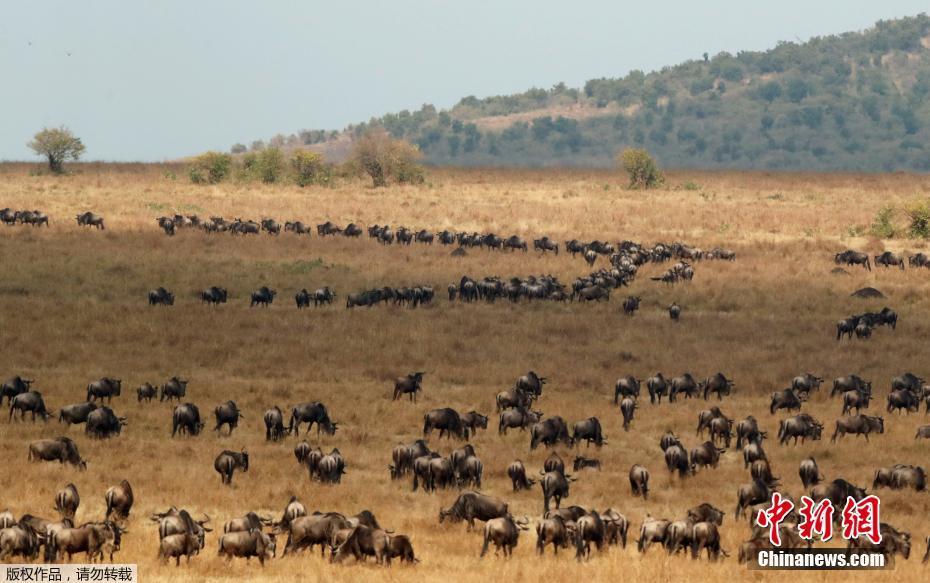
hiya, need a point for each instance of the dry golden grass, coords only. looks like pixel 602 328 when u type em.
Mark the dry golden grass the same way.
pixel 74 309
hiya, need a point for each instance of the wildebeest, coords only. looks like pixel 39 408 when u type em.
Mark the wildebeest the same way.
pixel 513 398
pixel 76 414
pixel 627 409
pixel 682 384
pixel 61 450
pixel 323 295
pixel 748 430
pixel 474 421
pixel 29 402
pixel 674 312
pixel 553 531
pixel 855 400
pixel 179 545
pixel 360 542
pixel 274 424
pixel 119 500
pixel 531 384
pixel 593 293
pixel 175 388
pixel 227 414
pixel 809 472
pixel 588 431
pixel 549 432
pixel 893 542
pixel 806 383
pixel 888 258
pixel 520 418
pixel 214 295
pixel 146 392
pixel 581 463
pixel 14 386
pixel 253 543
pixel 837 492
pixel 311 413
pixel 901 476
pixel 516 471
pixel 228 461
pixel 263 296
pixel 93 539
pixel 801 425
pixel 753 452
pixel 923 432
pixel 314 529
pixel 904 399
pixel 706 454
pixel 720 430
pixel 89 219
pixel 249 521
pixel 186 419
pixel 589 529
pixel 653 530
pixel 471 506
pixel 408 385
pixel 784 399
pixel 447 421
pixel 751 494
pixel 555 486
pixel 103 423
pixel 631 304
pixel 858 425
pixel 658 387
pixel 639 481
pixel 504 533
pixel 161 297
pixel 403 455
pixel 719 384
pixel 331 467
pixel 627 386
pixel 850 257
pixel 67 501
pixel 850 383
pixel 667 440
pixel 302 299
pixel 105 388
pixel 676 459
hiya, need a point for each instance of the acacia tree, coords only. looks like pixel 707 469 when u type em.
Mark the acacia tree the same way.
pixel 641 167
pixel 384 159
pixel 58 145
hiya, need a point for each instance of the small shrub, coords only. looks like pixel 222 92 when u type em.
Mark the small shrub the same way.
pixel 641 167
pixel 269 165
pixel 882 226
pixel 691 185
pixel 209 168
pixel 310 168
pixel 384 158
pixel 918 213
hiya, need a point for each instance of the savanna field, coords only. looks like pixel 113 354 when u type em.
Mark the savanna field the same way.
pixel 74 308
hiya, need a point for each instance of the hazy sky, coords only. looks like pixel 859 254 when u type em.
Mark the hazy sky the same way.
pixel 162 79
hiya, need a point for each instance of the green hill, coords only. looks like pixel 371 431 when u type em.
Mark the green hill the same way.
pixel 856 101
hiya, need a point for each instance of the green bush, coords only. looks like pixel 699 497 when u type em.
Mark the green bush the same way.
pixel 918 213
pixel 882 226
pixel 641 167
pixel 384 158
pixel 209 168
pixel 269 165
pixel 310 168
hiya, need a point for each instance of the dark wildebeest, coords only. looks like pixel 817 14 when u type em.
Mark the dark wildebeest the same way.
pixel 263 296
pixel 253 543
pixel 146 392
pixel 302 299
pixel 923 432
pixel 19 540
pixel 531 384
pixel 292 511
pixel 246 523
pixel 801 425
pixel 14 386
pixel 331 467
pixel 228 461
pixel 893 542
pixel 549 432
pixel 89 219
pixel 631 304
pixel 719 384
pixel 682 384
pixel 846 327
pixel 360 542
pixel 858 425
pixel 102 423
pixel 617 527
pixel 639 481
pixel 888 258
pixel 749 495
pixel 94 539
pixel 653 530
pixel 403 456
pixel 274 424
pixel 517 474
pixel 314 529
pixel 627 409
pixel 850 383
pixel 105 388
pixel 761 470
pixel 61 450
pixel 186 419
pixel 324 295
pixel 520 418
pixel 784 399
pixel 837 492
pixel 901 476
pixel 658 387
pixel 214 295
pixel 588 431
pixel 669 439
pixel 706 454
pixel 908 381
pixel 311 413
pixel 474 421
pixel 408 385
pixel 504 533
pixel 855 400
pixel 850 257
pixel 582 463
pixel 676 459
pixel 29 402
pixel 753 452
pixel 902 399
pixel 471 506
pixel 748 430
pixel 227 414
pixel 806 383
pixel 67 501
pixel 627 386
pixel 447 421
pixel 119 500
pixel 705 535
pixel 161 297
pixel 175 388
pixel 674 312
pixel 177 546
pixel 705 417
pixel 593 293
pixel 76 414
pixel 589 529
pixel 513 399
pixel 552 531
pixel 809 473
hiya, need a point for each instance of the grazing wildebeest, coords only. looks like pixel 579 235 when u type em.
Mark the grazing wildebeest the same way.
pixel 582 463
pixel 408 385
pixel 517 418
pixel 676 459
pixel 61 450
pixel 186 419
pixel 653 530
pixel 658 387
pixel 404 455
pixel 102 423
pixel 855 400
pixel 593 293
pixel 94 539
pixel 552 531
pixel 549 432
pixel 67 501
pixel 119 501
pixel 105 388
pixel 863 331
pixel 89 219
pixel 249 521
pixel 447 421
pixel 627 409
pixel 902 399
pixel 850 383
pixel 311 413
pixel 517 474
pixel 175 388
pixel 504 533
pixel 801 425
pixel 705 535
pixel 146 392
pixel 513 398
pixel 331 467
pixel 161 297
pixel 749 495
pixel 274 424
pixel 639 481
pixel 588 431
pixel 761 470
pixel 719 384
pixel 748 430
pixel 214 295
pixel 901 476
pixel 29 402
pixel 76 414
pixel 858 425
pixel 228 461
pixel 837 492
pixel 263 296
pixel 627 386
pixel 545 244
pixel 315 529
pixel 706 454
pixel 474 421
pixel 784 399
pixel 227 414
pixel 471 506
pixel 14 386
pixel 806 383
pixel 809 473
pixel 361 542
pixel 253 543
pixel 617 527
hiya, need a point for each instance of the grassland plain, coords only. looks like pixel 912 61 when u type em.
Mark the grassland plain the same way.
pixel 74 309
